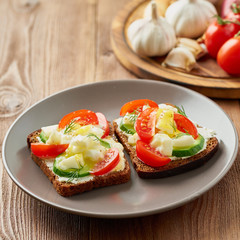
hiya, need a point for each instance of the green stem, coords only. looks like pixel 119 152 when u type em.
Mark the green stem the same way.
pixel 237 35
pixel 224 21
pixel 235 8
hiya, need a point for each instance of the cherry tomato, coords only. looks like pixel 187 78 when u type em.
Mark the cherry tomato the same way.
pixel 83 117
pixel 185 125
pixel 228 56
pixel 43 150
pixel 103 124
pixel 136 105
pixel 218 33
pixel 110 161
pixel 150 156
pixel 145 124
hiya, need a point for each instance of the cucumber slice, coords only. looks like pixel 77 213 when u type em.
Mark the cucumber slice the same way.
pixel 190 150
pixel 127 128
pixel 43 137
pixel 71 172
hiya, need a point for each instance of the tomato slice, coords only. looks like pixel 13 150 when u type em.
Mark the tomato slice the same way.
pixel 136 105
pixel 145 124
pixel 185 125
pixel 103 124
pixel 150 156
pixel 110 161
pixel 43 150
pixel 83 117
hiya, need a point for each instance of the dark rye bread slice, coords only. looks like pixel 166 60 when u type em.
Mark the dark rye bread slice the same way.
pixel 67 189
pixel 172 168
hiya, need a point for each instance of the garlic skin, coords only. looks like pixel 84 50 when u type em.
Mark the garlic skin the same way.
pixel 151 37
pixel 190 18
pixel 193 46
pixel 180 57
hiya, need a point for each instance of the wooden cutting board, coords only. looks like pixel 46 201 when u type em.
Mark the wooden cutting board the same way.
pixel 207 78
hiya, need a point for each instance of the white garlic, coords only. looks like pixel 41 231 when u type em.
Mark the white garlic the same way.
pixel 180 57
pixel 193 46
pixel 151 37
pixel 190 18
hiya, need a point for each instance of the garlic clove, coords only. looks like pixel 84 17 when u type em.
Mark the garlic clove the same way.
pixel 180 57
pixel 193 46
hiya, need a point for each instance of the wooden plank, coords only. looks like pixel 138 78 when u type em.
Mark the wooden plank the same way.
pixel 58 44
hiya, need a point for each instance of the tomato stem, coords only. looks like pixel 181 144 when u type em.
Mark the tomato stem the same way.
pixel 224 21
pixel 237 35
pixel 235 8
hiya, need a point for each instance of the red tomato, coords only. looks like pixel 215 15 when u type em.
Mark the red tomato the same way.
pixel 136 105
pixel 217 34
pixel 43 150
pixel 110 161
pixel 145 124
pixel 83 117
pixel 103 123
pixel 185 125
pixel 150 156
pixel 228 56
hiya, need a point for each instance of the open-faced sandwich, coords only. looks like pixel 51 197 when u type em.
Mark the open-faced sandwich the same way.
pixel 161 140
pixel 80 153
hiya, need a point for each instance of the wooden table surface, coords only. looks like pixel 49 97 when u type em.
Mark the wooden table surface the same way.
pixel 47 46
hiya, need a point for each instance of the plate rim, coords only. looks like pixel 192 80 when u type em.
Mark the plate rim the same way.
pixel 176 204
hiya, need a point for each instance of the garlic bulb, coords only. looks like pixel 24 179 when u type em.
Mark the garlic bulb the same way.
pixel 151 37
pixel 180 57
pixel 190 18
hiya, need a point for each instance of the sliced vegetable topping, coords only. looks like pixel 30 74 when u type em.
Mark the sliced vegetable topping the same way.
pixel 189 150
pixel 110 161
pixel 43 150
pixel 185 125
pixel 145 124
pixel 103 124
pixel 43 137
pixel 71 173
pixel 127 128
pixel 82 117
pixel 136 105
pixel 150 156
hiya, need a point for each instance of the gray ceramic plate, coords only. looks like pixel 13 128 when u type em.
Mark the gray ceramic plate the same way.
pixel 138 197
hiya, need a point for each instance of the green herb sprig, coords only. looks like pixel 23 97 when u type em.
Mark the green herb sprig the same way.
pixel 74 174
pixel 102 142
pixel 70 127
pixel 181 110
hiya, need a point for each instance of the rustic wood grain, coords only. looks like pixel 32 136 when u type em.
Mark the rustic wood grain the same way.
pixel 47 46
pixel 207 77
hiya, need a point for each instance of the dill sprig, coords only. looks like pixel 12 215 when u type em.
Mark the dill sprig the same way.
pixel 181 110
pixel 133 117
pixel 70 127
pixel 103 143
pixel 173 126
pixel 74 174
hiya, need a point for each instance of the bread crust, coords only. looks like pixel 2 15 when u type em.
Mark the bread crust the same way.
pixel 67 189
pixel 172 168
